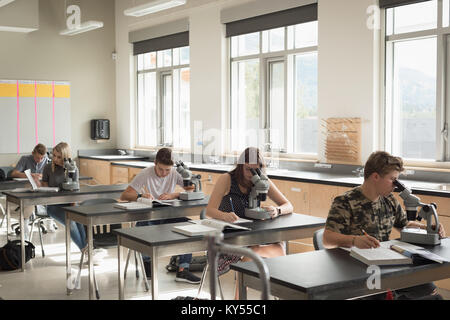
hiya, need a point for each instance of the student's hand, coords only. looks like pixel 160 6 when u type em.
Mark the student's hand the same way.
pixel 168 196
pixel 366 242
pixel 189 188
pixel 147 195
pixel 229 217
pixel 272 211
pixel 37 176
pixel 441 230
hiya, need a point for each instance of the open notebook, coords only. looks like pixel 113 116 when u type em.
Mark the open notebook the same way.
pixel 34 187
pixel 384 255
pixel 208 226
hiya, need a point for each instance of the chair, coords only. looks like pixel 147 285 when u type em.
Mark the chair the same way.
pixel 318 239
pixel 39 219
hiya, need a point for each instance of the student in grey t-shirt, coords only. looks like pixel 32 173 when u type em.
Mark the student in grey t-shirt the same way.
pixel 159 182
pixel 36 162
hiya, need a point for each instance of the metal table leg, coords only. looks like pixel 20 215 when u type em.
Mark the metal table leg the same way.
pixel 69 285
pixel 90 264
pixel 121 273
pixel 154 275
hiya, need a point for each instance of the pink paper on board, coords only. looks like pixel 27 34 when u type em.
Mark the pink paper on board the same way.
pixel 35 112
pixel 18 119
pixel 53 95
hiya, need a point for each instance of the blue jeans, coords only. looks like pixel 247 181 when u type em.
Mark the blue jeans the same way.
pixel 184 260
pixel 77 232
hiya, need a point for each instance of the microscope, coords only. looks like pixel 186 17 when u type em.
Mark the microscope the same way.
pixel 257 194
pixel 70 176
pixel 427 211
pixel 188 180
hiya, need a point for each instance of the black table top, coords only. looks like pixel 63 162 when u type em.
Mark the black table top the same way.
pixel 325 270
pixel 84 189
pixel 108 208
pixel 163 235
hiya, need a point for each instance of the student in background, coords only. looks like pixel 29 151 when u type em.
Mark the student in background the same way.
pixel 365 215
pixel 35 162
pixel 53 176
pixel 159 182
pixel 230 198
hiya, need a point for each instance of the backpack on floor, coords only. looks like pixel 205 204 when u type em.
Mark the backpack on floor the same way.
pixel 10 255
pixel 197 264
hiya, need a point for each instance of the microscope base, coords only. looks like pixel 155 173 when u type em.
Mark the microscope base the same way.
pixel 70 186
pixel 257 214
pixel 419 236
pixel 191 195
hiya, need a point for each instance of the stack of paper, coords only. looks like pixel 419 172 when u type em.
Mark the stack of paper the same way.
pixel 132 205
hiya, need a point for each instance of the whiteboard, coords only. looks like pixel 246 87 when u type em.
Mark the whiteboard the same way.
pixel 31 112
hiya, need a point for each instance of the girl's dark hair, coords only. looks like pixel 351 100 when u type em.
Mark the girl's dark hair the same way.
pixel 164 156
pixel 251 155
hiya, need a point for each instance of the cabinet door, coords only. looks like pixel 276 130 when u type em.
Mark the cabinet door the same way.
pixel 321 197
pixel 100 171
pixel 132 172
pixel 296 192
pixel 445 220
pixel 119 175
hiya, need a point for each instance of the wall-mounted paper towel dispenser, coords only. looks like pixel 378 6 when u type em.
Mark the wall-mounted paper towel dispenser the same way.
pixel 99 129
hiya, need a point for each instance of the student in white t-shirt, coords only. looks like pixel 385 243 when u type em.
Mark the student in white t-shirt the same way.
pixel 159 182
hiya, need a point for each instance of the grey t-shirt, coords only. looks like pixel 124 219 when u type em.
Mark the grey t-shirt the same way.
pixel 55 178
pixel 27 162
pixel 154 184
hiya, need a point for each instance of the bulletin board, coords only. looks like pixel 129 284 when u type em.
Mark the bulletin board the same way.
pixel 32 112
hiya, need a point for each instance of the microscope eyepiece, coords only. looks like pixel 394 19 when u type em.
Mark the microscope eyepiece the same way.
pixel 400 186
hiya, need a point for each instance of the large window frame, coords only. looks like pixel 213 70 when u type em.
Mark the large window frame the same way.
pixel 167 99
pixel 442 35
pixel 287 56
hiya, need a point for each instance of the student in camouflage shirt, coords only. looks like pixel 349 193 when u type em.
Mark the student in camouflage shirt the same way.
pixel 365 215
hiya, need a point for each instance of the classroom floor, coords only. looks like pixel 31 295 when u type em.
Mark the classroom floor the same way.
pixel 45 279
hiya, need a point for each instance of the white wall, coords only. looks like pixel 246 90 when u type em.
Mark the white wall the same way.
pixel 348 74
pixel 348 65
pixel 84 60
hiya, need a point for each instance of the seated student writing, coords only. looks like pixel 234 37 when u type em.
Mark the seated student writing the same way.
pixel 53 176
pixel 230 198
pixel 35 162
pixel 159 182
pixel 365 215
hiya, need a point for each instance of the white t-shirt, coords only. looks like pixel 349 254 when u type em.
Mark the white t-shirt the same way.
pixel 156 185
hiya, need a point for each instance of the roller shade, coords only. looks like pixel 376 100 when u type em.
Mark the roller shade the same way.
pixel 397 3
pixel 162 43
pixel 272 20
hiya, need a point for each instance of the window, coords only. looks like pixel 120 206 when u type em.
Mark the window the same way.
pixel 274 90
pixel 163 110
pixel 416 112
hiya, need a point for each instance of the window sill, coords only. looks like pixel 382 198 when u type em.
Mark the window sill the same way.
pixel 427 166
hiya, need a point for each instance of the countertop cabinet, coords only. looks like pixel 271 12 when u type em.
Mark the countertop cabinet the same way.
pixel 97 169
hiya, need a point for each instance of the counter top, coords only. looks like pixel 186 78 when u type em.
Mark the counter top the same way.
pixel 114 157
pixel 418 187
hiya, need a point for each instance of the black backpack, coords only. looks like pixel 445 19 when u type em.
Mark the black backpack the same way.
pixel 10 255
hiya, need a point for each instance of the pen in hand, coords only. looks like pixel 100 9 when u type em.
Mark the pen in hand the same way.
pixel 231 203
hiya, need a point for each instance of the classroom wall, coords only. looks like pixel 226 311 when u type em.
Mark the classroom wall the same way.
pixel 85 60
pixel 348 71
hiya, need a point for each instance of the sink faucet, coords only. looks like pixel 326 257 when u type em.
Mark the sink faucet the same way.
pixel 122 152
pixel 359 171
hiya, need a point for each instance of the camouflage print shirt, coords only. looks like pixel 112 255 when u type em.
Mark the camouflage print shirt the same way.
pixel 352 212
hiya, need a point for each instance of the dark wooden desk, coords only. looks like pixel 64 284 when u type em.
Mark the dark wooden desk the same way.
pixel 160 241
pixel 334 274
pixel 106 214
pixel 86 192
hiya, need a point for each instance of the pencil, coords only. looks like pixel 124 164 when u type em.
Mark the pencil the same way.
pixel 232 207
